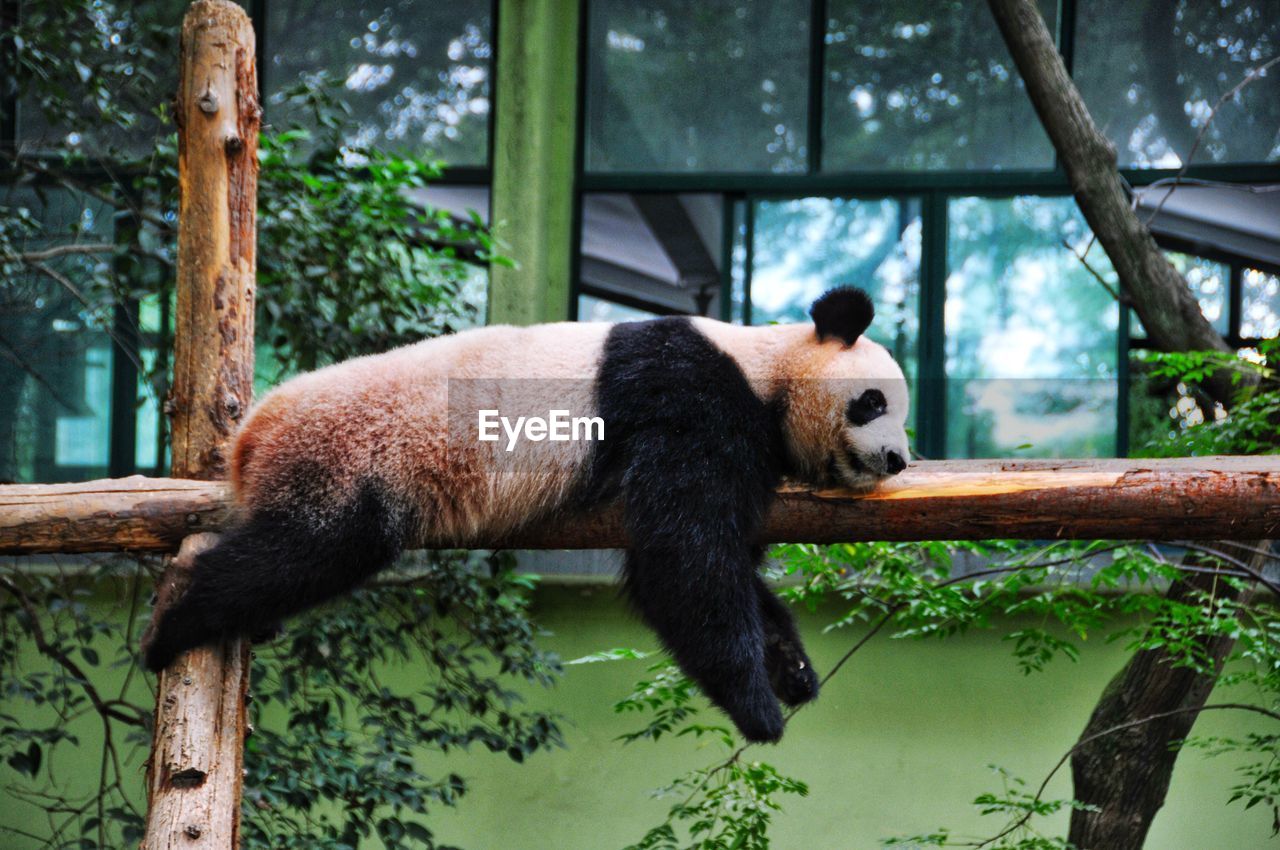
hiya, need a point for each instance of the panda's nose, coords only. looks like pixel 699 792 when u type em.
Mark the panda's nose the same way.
pixel 894 463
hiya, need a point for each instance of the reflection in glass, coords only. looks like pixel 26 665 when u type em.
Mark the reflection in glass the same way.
pixel 738 265
pixel 1209 283
pixel 711 86
pixel 1031 335
pixel 417 75
pixel 55 354
pixel 1260 304
pixel 592 309
pixel 1151 72
pixel 921 84
pixel 107 101
pixel 804 247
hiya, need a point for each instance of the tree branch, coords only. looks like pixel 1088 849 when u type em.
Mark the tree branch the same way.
pixel 64 250
pixel 1249 76
pixel 1166 305
pixel 1111 730
pixel 1126 781
pixel 64 660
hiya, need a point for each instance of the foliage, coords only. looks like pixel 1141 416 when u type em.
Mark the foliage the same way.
pixel 89 685
pixel 726 807
pixel 351 260
pixel 335 756
pixel 87 74
pixel 669 697
pixel 359 266
pixel 1252 426
pixel 1014 801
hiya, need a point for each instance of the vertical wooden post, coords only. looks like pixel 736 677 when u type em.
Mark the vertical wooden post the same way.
pixel 195 772
pixel 534 125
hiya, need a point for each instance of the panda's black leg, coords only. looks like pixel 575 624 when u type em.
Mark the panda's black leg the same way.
pixel 706 610
pixel 271 566
pixel 791 672
pixel 697 454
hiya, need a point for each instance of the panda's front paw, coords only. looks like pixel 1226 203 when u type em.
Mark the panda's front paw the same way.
pixel 791 674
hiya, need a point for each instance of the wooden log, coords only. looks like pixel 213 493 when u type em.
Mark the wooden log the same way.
pixel 195 772
pixel 134 514
pixel 1187 498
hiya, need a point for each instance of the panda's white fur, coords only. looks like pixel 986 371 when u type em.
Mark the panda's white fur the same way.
pixel 337 471
pixel 388 414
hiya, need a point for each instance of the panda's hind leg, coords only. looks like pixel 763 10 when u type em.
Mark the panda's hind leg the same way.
pixel 277 563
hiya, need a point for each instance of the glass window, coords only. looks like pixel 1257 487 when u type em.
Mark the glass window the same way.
pixel 1260 304
pixel 1030 334
pixel 920 84
pixel 738 264
pixel 155 331
pixel 803 247
pixel 657 251
pixel 417 75
pixel 107 100
pixel 719 85
pixel 1152 71
pixel 55 354
pixel 593 309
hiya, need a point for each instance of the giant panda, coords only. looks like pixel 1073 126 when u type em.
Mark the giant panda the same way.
pixel 338 471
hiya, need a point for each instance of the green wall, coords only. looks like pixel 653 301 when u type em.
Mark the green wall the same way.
pixel 897 744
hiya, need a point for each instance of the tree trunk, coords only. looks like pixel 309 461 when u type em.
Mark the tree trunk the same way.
pixel 1163 300
pixel 195 771
pixel 1127 774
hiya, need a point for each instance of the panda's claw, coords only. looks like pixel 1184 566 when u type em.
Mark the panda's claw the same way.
pixel 791 676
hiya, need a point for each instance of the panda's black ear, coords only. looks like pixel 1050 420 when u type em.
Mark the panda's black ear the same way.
pixel 843 313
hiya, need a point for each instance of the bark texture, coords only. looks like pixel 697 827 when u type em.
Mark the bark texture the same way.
pixel 1126 775
pixel 134 514
pixel 1184 498
pixel 218 119
pixel 194 775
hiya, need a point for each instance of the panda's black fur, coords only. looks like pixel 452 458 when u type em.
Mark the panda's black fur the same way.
pixel 666 392
pixel 231 594
pixel 693 451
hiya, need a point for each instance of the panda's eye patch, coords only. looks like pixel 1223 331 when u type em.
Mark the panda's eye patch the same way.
pixel 867 407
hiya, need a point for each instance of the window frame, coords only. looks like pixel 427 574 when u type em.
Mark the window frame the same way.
pixel 122 455
pixel 934 189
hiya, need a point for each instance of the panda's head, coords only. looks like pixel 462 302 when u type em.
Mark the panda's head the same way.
pixel 847 399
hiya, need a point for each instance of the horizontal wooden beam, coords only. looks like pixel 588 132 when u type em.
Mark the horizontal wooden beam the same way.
pixel 1211 498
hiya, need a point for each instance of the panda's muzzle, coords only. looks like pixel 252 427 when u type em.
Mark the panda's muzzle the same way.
pixel 888 463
